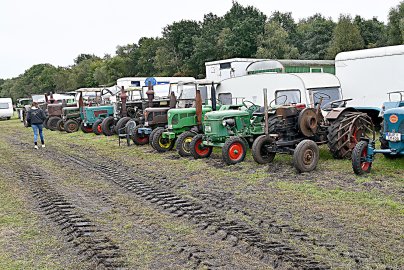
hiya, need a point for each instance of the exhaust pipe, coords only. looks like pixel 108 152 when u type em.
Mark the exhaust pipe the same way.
pixel 198 105
pixel 124 97
pixel 213 96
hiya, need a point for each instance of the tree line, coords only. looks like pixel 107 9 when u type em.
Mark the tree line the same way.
pixel 184 47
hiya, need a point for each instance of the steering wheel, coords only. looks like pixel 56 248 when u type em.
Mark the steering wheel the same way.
pixel 105 91
pixel 278 97
pixel 253 107
pixel 336 104
pixel 321 95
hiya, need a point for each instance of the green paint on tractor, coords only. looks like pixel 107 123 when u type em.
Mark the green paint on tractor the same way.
pixel 181 120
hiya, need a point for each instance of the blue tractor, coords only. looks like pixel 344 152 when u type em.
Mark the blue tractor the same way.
pixel 391 137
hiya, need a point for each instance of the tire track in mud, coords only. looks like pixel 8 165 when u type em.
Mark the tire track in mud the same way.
pixel 78 229
pixel 219 202
pixel 248 239
pixel 83 234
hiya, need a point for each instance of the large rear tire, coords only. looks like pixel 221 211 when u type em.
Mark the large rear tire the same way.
pixel 359 164
pixel 306 156
pixel 347 131
pixel 139 139
pixel 184 142
pixel 259 150
pixel 161 144
pixel 52 123
pixel 196 148
pixel 97 129
pixel 108 126
pixel 234 150
pixel 71 126
pixel 120 125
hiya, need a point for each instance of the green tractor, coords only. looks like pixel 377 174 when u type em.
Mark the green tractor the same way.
pixel 185 122
pixel 233 128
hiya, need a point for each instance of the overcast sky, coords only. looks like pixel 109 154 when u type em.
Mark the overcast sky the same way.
pixel 56 31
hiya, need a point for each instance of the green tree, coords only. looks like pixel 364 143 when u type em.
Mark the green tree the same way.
pixel 396 25
pixel 83 57
pixel 206 48
pixel 275 43
pixel 315 34
pixel 346 37
pixel 147 54
pixel 373 32
pixel 242 26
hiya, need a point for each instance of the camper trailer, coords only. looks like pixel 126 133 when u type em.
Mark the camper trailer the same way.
pixel 367 75
pixel 6 108
pixel 236 67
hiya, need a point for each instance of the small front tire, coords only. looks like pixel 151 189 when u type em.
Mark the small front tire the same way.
pixel 359 155
pixel 260 152
pixel 197 150
pixel 306 156
pixel 184 142
pixel 97 129
pixel 71 126
pixel 161 144
pixel 234 150
pixel 139 139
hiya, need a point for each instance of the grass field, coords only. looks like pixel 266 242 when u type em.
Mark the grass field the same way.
pixel 330 216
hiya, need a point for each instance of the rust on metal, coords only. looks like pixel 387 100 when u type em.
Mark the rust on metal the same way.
pixel 198 105
pixel 124 98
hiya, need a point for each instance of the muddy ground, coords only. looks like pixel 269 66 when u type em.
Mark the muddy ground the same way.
pixel 83 202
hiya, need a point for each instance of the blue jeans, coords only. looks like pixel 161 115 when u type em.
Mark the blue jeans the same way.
pixel 36 128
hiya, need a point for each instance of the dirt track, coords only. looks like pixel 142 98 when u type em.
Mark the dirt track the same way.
pixel 125 207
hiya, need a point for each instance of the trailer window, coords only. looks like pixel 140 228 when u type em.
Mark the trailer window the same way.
pixel 329 94
pixel 225 65
pixel 4 106
pixel 290 97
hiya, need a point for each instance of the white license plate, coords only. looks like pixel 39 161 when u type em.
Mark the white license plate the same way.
pixel 393 137
pixel 208 129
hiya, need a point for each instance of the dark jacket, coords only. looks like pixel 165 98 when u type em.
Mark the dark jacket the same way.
pixel 35 116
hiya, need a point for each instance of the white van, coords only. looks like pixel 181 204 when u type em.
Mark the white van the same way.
pixel 6 108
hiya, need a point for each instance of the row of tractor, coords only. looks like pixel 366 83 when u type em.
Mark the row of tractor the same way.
pixel 270 113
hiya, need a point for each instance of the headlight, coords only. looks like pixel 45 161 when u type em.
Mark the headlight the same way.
pixel 224 123
pixel 170 126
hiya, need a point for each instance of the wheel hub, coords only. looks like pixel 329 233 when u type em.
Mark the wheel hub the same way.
pixel 235 151
pixel 308 157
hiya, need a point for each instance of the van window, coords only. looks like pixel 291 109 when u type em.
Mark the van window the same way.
pixel 288 97
pixel 329 94
pixel 4 106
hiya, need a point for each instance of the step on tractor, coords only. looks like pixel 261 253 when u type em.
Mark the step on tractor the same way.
pixel 55 105
pixel 233 128
pixel 185 121
pixel 154 116
pixel 391 137
pixel 89 113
